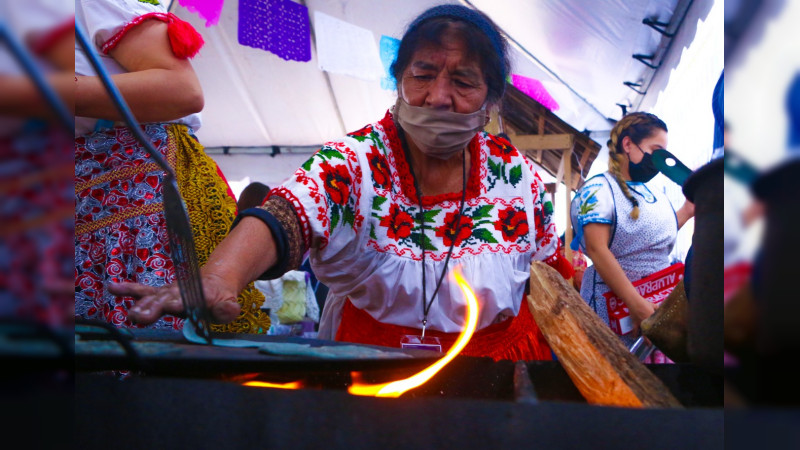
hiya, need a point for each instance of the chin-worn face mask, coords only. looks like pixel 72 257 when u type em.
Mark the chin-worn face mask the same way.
pixel 437 133
pixel 644 170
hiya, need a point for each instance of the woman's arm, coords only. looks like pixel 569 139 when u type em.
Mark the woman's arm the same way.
pixel 19 95
pixel 158 86
pixel 596 236
pixel 247 252
pixel 685 213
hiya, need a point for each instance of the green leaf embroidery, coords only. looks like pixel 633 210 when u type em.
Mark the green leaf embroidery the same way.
pixel 430 215
pixel 307 165
pixel 372 231
pixel 482 212
pixel 586 208
pixel 377 202
pixel 334 217
pixel 152 2
pixel 548 207
pixel 516 175
pixel 359 138
pixel 484 235
pixel 422 241
pixel 330 153
pixel 348 216
pixel 494 168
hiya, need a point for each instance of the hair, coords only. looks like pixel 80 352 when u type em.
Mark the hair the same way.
pixel 253 195
pixel 637 126
pixel 480 34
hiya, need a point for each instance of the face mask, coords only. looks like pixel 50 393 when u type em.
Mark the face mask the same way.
pixel 437 133
pixel 644 170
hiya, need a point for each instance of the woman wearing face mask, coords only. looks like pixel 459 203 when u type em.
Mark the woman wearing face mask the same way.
pixel 626 229
pixel 389 210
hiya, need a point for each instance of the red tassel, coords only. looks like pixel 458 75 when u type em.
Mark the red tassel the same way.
pixel 562 266
pixel 183 38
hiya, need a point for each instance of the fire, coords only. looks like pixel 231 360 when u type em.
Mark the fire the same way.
pixel 396 388
pixel 264 384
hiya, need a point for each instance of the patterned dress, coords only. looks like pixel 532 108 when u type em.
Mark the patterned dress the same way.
pixel 358 213
pixel 641 246
pixel 120 229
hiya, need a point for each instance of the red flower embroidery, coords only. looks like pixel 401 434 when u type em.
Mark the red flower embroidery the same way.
pixel 398 223
pixel 380 169
pixel 362 132
pixel 502 148
pixel 512 224
pixel 448 231
pixel 337 182
pixel 538 218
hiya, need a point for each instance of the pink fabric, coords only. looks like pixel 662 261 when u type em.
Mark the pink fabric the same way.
pixel 207 9
pixel 534 89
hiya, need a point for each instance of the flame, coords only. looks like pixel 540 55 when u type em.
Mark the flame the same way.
pixel 264 384
pixel 396 388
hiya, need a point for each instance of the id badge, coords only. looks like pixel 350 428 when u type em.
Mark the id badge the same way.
pixel 421 343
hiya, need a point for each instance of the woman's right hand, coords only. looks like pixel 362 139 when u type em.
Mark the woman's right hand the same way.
pixel 150 303
pixel 640 309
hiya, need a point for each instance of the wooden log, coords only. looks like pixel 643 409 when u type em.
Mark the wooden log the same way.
pixel 603 370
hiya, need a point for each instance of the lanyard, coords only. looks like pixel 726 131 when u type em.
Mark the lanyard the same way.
pixel 426 305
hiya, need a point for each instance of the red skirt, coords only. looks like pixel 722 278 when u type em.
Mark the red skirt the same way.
pixel 516 338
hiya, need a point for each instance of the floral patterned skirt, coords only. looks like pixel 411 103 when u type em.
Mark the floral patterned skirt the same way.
pixel 120 228
pixel 36 226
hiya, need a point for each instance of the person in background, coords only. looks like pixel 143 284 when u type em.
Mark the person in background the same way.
pixel 36 210
pixel 625 228
pixel 120 228
pixel 386 212
pixel 252 195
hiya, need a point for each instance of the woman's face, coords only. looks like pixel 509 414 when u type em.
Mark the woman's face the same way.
pixel 656 140
pixel 442 77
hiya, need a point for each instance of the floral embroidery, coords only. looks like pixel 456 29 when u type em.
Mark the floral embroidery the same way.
pixel 588 204
pixel 513 224
pixel 448 231
pixel 498 169
pixel 339 187
pixel 381 176
pixel 336 181
pixel 502 148
pixel 151 2
pixel 398 223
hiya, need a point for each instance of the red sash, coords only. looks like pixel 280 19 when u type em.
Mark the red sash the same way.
pixel 516 338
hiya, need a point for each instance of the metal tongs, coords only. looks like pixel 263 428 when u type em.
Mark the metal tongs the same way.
pixel 179 229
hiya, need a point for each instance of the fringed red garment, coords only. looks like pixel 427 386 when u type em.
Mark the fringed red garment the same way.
pixel 516 338
pixel 183 38
pixel 561 264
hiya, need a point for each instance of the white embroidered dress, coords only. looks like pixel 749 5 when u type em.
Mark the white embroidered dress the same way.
pixel 359 216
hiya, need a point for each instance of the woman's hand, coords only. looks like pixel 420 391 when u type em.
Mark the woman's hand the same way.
pixel 640 309
pixel 153 302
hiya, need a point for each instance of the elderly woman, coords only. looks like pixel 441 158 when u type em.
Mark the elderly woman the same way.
pixel 390 209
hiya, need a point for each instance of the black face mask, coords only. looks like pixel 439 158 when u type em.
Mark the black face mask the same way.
pixel 644 170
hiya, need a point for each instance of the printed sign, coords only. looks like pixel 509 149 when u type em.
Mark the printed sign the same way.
pixel 655 288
